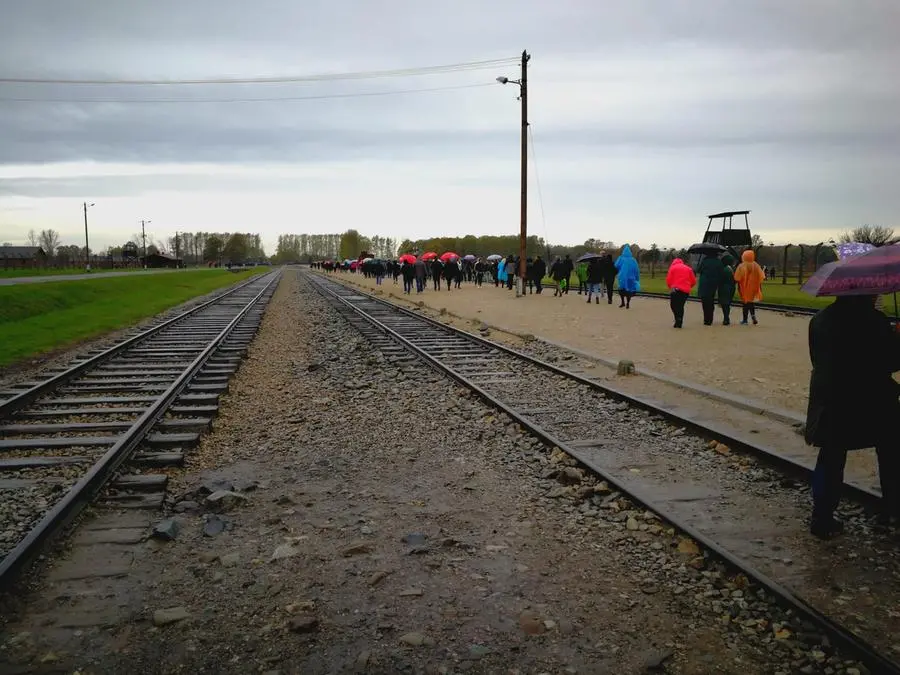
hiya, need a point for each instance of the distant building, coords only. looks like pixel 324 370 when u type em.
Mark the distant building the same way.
pixel 20 257
pixel 157 260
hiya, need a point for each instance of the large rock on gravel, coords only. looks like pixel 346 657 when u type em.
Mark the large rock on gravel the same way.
pixel 163 617
pixel 570 476
pixel 166 529
pixel 359 548
pixel 214 526
pixel 531 623
pixel 305 623
pixel 416 639
pixel 224 500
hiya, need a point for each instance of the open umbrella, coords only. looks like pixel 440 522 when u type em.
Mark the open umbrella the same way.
pixel 449 255
pixel 588 256
pixel 408 258
pixel 469 257
pixel 365 260
pixel 876 272
pixel 707 248
pixel 431 255
pixel 494 256
pixel 852 249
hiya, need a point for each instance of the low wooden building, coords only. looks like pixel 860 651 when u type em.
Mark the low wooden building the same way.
pixel 22 257
pixel 157 260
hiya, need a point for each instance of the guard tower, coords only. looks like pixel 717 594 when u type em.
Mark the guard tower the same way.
pixel 721 229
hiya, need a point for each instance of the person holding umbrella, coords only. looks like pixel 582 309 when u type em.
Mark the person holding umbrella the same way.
pixel 711 271
pixel 437 270
pixel 608 270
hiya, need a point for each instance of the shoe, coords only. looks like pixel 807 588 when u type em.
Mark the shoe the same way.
pixel 597 300
pixel 610 302
pixel 707 323
pixel 589 301
pixel 755 322
pixel 743 323
pixel 622 305
pixel 826 529
pixel 677 325
pixel 726 323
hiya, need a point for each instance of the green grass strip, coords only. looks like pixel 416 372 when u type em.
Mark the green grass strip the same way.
pixel 38 318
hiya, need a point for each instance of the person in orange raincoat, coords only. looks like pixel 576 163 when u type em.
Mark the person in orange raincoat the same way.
pixel 749 277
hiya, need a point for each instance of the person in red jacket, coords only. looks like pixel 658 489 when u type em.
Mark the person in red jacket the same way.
pixel 680 280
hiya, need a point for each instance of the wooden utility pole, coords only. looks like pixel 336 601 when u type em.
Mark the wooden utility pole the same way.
pixel 144 240
pixel 523 207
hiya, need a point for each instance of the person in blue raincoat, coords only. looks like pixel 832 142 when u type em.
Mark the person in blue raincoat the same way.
pixel 629 277
pixel 501 273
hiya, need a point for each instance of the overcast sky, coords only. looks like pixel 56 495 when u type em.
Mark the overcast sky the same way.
pixel 646 116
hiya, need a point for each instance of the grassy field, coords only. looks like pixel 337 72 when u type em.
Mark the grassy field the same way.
pixel 52 272
pixel 38 318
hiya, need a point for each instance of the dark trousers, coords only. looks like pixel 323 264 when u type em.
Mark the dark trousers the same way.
pixel 676 302
pixel 567 286
pixel 420 284
pixel 437 283
pixel 609 290
pixel 726 313
pixel 407 285
pixel 510 278
pixel 625 297
pixel 709 309
pixel 749 310
pixel 479 278
pixel 828 479
pixel 538 284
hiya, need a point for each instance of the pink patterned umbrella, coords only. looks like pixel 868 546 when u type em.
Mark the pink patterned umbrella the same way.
pixel 852 249
pixel 876 272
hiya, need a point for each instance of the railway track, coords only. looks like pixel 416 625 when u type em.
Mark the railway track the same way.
pixel 110 418
pixel 742 512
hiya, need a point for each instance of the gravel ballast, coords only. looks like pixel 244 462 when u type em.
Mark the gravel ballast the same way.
pixel 386 521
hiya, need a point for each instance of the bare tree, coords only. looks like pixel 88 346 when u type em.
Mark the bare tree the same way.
pixel 32 238
pixel 870 234
pixel 49 240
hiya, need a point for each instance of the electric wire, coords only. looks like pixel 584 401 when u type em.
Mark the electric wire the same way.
pixel 261 99
pixel 537 180
pixel 322 77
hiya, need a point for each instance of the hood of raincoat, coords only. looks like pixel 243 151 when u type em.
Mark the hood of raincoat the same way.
pixel 748 256
pixel 677 261
pixel 626 252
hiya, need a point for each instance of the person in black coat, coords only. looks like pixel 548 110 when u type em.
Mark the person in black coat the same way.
pixel 594 279
pixel 409 273
pixel 538 272
pixel 853 403
pixel 568 267
pixel 437 270
pixel 608 272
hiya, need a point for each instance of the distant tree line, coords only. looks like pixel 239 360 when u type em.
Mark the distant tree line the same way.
pixel 195 248
pixel 309 247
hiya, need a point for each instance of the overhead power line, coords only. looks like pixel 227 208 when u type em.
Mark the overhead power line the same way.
pixel 245 100
pixel 323 77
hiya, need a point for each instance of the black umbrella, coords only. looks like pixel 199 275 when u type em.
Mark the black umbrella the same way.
pixel 708 249
pixel 589 256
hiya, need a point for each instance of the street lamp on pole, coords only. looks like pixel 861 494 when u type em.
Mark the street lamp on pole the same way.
pixel 523 222
pixel 144 239
pixel 87 248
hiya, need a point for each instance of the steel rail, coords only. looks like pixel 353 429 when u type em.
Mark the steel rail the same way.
pixel 80 494
pixel 852 643
pixel 11 405
pixel 708 430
